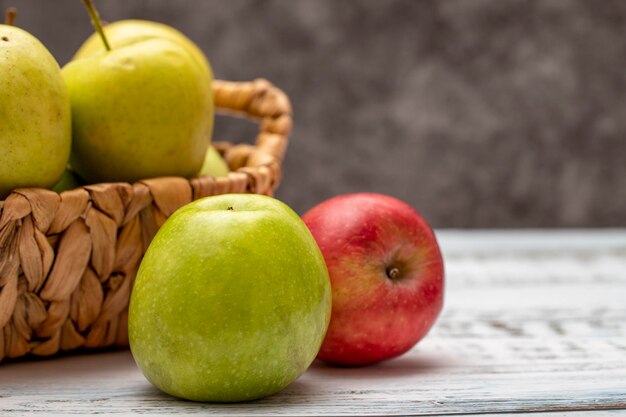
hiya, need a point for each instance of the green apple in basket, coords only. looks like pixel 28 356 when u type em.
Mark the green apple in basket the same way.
pixel 214 164
pixel 35 118
pixel 141 108
pixel 68 181
pixel 126 32
pixel 231 302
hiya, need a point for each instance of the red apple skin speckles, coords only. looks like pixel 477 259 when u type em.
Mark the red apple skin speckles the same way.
pixel 363 237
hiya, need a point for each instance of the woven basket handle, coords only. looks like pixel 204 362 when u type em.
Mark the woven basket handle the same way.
pixel 259 100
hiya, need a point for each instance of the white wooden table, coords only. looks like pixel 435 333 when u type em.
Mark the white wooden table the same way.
pixel 534 323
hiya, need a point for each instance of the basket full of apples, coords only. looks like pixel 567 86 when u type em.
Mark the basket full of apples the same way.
pixel 95 157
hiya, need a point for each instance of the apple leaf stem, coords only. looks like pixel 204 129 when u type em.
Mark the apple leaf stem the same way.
pixel 9 19
pixel 96 22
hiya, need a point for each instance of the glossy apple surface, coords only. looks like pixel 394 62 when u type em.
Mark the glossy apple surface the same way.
pixel 386 272
pixel 35 118
pixel 231 302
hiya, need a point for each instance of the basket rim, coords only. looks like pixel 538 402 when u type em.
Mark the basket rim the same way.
pixel 259 101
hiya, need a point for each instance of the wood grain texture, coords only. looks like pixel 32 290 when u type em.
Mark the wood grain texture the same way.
pixel 534 322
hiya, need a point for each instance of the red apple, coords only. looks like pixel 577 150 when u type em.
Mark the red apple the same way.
pixel 386 274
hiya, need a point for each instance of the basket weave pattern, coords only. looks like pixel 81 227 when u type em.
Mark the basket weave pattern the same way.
pixel 68 261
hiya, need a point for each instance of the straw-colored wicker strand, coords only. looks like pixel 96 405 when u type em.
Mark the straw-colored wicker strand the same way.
pixel 68 261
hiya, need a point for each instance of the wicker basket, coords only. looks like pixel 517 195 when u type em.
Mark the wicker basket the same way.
pixel 68 261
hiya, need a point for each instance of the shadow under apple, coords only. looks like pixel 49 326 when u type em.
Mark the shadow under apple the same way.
pixel 298 394
pixel 307 390
pixel 408 365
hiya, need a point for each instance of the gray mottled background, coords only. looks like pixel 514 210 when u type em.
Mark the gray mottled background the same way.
pixel 479 113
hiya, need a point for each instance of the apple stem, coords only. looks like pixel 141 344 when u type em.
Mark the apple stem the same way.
pixel 96 22
pixel 393 273
pixel 9 19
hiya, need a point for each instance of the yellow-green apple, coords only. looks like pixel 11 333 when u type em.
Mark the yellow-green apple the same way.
pixel 35 118
pixel 231 301
pixel 386 273
pixel 141 109
pixel 125 32
pixel 214 164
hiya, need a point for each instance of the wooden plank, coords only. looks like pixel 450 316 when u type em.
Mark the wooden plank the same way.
pixel 534 322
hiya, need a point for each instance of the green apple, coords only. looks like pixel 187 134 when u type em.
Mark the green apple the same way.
pixel 214 164
pixel 231 301
pixel 142 109
pixel 68 181
pixel 35 118
pixel 125 32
